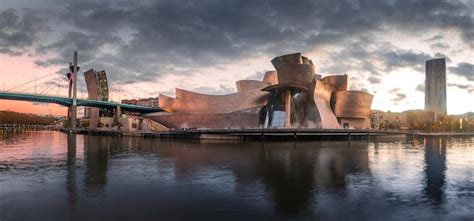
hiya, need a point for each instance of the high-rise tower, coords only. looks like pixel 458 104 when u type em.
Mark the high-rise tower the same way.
pixel 435 85
pixel 97 89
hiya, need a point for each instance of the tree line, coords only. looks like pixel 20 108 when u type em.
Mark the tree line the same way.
pixel 15 118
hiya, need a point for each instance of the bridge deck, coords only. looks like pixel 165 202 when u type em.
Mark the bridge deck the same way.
pixel 65 101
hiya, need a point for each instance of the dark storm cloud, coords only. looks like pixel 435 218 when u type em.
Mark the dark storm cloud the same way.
pixel 355 57
pixel 374 80
pixel 10 52
pixel 420 88
pixel 439 45
pixel 464 70
pixel 441 55
pixel 400 58
pixel 138 41
pixel 399 97
pixel 435 38
pixel 359 57
pixel 469 88
pixel 460 86
pixel 18 31
pixel 394 90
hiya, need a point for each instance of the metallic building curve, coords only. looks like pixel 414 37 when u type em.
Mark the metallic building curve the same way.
pixel 352 104
pixel 207 120
pixel 246 85
pixel 322 97
pixel 294 69
pixel 271 77
pixel 339 82
pixel 192 102
pixel 292 96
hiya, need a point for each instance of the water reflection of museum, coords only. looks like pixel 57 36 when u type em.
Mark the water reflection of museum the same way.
pixel 289 172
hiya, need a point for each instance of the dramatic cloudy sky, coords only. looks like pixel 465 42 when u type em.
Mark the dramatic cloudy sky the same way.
pixel 151 47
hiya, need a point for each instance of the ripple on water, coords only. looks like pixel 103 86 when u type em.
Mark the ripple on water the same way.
pixel 181 179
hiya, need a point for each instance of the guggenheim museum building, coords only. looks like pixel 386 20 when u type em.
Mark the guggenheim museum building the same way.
pixel 292 96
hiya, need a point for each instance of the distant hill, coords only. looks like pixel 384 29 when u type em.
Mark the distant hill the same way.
pixel 468 115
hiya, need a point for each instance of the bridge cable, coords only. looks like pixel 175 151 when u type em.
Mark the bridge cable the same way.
pixel 50 89
pixel 36 85
pixel 40 84
pixel 47 88
pixel 17 86
pixel 52 85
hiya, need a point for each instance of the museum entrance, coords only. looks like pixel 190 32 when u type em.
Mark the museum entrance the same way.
pixel 285 108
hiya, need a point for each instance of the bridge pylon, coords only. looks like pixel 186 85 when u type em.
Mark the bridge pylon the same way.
pixel 72 110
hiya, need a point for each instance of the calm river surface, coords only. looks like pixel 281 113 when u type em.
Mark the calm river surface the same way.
pixel 47 175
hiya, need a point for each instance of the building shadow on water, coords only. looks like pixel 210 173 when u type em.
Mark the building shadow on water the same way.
pixel 71 169
pixel 292 173
pixel 435 168
pixel 96 152
pixel 96 159
pixel 288 176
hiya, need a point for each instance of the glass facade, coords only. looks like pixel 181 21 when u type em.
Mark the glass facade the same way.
pixel 275 110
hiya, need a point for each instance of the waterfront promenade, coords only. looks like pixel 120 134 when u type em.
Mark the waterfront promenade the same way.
pixel 255 134
pixel 270 134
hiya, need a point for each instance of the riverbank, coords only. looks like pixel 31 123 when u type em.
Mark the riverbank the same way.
pixel 441 134
pixel 261 134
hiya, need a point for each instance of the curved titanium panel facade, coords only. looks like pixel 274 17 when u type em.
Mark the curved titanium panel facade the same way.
pixel 339 82
pixel 352 104
pixel 322 97
pixel 246 85
pixel 202 121
pixel 271 77
pixel 191 102
pixel 294 69
pixel 291 96
pixel 356 123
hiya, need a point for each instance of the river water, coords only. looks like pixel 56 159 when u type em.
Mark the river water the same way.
pixel 46 175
